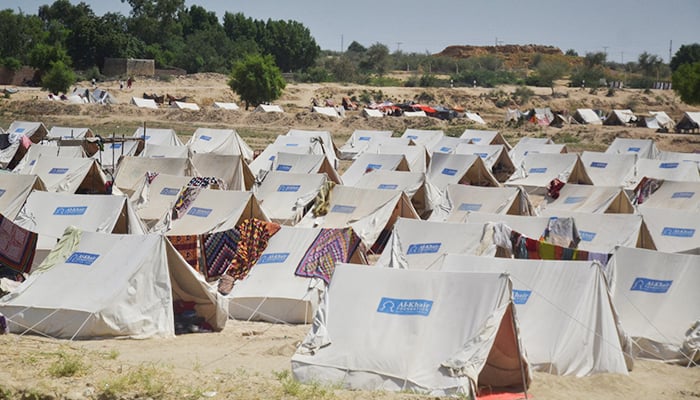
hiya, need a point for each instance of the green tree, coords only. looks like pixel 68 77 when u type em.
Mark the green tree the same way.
pixel 257 79
pixel 291 44
pixel 571 53
pixel 686 54
pixel 548 71
pixel 595 59
pixel 42 57
pixel 377 59
pixel 649 64
pixel 686 82
pixel 58 78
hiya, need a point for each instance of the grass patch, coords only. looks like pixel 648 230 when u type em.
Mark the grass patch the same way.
pixel 567 138
pixel 315 390
pixel 145 380
pixel 67 365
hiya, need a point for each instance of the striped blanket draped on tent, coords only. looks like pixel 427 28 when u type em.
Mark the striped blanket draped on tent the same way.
pixel 331 246
pixel 17 246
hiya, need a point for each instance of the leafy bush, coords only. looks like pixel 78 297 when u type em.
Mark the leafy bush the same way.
pixel 11 63
pixel 58 78
pixel 522 94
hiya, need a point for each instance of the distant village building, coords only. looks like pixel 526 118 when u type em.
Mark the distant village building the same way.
pixel 128 67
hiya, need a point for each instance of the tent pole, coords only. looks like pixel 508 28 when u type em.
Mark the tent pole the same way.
pixel 517 344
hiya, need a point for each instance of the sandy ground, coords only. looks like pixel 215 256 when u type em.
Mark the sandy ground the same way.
pixel 251 360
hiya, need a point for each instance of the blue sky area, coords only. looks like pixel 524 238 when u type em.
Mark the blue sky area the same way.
pixel 621 28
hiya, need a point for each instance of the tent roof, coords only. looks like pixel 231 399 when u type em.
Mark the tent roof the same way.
pixel 14 190
pixel 305 164
pixel 609 169
pixel 484 137
pixel 459 168
pixel 219 141
pixel 587 116
pixel 367 162
pixel 226 106
pixel 268 108
pixel 591 199
pixel 644 148
pixel 328 111
pixel 538 170
pixel 459 200
pixel 159 136
pixel 284 196
pixel 673 231
pixel 164 151
pixel 359 142
pixel 426 137
pixel 66 132
pixel 132 170
pixel 447 144
pixel 144 103
pixel 69 174
pixel 675 195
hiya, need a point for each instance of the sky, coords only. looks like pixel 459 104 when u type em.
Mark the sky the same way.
pixel 622 29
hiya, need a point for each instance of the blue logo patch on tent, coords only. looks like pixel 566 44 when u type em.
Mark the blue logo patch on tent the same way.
pixel 412 137
pixel 82 258
pixel 574 199
pixel 115 146
pixel 205 137
pixel 373 166
pixel 668 165
pixel 388 305
pixel 292 145
pixel 597 164
pixel 77 210
pixel 469 207
pixel 272 158
pixel 273 258
pixel 449 171
pixel 678 232
pixel 587 236
pixel 19 130
pixel 283 167
pixel 476 139
pixel 2 191
pixel 364 138
pixel 521 296
pixel 166 191
pixel 482 155
pixel 146 137
pixel 633 149
pixel 651 285
pixel 538 170
pixel 682 195
pixel 423 248
pixel 32 162
pixel 199 212
pixel 288 188
pixel 445 149
pixel 58 171
pixel 339 208
pixel 388 186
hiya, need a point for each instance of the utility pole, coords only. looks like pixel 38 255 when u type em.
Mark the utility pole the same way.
pixel 605 51
pixel 622 57
pixel 342 45
pixel 398 46
pixel 670 49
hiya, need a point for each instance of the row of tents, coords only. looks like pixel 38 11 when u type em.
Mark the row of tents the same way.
pixel 657 120
pixel 439 223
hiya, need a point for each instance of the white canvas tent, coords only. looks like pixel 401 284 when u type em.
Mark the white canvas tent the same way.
pixel 35 151
pixel 182 105
pixel 690 122
pixel 164 151
pixel 359 141
pixel 474 117
pixel 155 197
pixel 587 116
pixel 675 195
pixel 232 170
pixel 459 200
pixel 97 285
pixel 144 103
pixel 609 169
pixel 416 155
pixel 414 114
pixel 367 162
pixel 522 150
pixel 324 137
pixel 476 345
pixel 621 117
pixel 327 111
pixel 305 164
pixel 129 176
pixel 601 233
pixel 426 137
pixel 563 334
pixel 673 231
pixel 271 291
pixel 644 148
pixel 538 170
pixel 464 169
pixel 530 226
pixel 265 160
pixel 14 190
pixel 158 136
pixel 70 175
pixel 590 199
pixel 494 156
pixel 447 144
pixel 671 170
pixel 657 306
pixel 49 214
pixel 285 197
pixel 483 137
pixel 226 106
pixel 268 108
pixel 109 158
pixel 422 194
pixel 35 131
pixel 371 113
pixel 66 132
pixel 658 120
pixel 417 244
pixel 215 211
pixel 367 211
pixel 679 156
pixel 219 141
